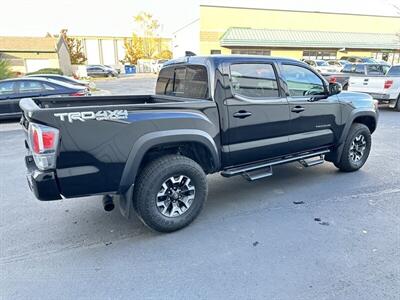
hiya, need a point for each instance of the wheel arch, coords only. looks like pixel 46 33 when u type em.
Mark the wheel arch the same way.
pixel 195 144
pixel 362 116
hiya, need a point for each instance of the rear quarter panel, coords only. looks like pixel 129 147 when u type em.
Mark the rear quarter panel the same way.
pixel 92 153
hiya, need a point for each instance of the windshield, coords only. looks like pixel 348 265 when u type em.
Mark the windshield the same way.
pixel 322 63
pixel 369 61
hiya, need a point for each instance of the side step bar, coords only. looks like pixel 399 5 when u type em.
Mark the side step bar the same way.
pixel 264 169
pixel 310 163
pixel 258 174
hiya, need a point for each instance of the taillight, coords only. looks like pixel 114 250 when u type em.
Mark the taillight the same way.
pixel 332 79
pixel 44 142
pixel 388 84
pixel 79 93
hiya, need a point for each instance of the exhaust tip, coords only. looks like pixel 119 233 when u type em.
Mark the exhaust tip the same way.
pixel 108 203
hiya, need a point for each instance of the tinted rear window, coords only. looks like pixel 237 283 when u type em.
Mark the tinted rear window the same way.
pixel 348 68
pixel 184 81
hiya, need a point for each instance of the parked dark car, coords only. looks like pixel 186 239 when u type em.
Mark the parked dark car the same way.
pixel 238 115
pixel 360 70
pixel 359 59
pixel 13 90
pixel 101 71
pixel 65 79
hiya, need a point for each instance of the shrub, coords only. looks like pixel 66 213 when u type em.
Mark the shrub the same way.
pixel 47 71
pixel 5 71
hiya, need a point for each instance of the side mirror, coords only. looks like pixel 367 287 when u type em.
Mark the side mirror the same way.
pixel 334 88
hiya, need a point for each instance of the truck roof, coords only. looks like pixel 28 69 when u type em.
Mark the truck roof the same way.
pixel 216 59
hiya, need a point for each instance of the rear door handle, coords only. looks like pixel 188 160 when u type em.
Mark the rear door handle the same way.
pixel 241 114
pixel 298 109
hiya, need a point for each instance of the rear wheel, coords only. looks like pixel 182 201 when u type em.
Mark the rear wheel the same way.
pixel 356 148
pixel 397 107
pixel 170 193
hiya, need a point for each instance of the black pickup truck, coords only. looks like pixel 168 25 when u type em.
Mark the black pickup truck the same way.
pixel 238 115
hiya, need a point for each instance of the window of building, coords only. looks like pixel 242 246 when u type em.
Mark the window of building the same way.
pixel 254 80
pixel 319 54
pixel 184 81
pixel 215 51
pixel 252 51
pixel 302 82
pixel 389 57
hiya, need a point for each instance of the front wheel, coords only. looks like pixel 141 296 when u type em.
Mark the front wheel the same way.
pixel 170 192
pixel 356 148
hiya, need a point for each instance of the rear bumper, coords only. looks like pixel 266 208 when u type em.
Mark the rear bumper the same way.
pixel 380 97
pixel 42 183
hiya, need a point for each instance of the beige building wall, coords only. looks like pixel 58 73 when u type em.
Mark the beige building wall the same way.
pixel 19 59
pixel 214 21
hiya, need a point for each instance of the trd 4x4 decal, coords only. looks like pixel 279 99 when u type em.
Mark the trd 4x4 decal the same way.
pixel 91 115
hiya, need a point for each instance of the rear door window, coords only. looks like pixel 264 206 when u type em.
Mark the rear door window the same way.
pixel 30 86
pixel 184 81
pixel 254 80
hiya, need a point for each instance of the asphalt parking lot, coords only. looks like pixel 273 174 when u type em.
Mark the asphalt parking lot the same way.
pixel 310 233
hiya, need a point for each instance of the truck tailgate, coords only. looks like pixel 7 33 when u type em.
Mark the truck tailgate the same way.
pixel 370 85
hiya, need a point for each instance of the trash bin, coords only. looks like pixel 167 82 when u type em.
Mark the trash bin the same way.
pixel 130 69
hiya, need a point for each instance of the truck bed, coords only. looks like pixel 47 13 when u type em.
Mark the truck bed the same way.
pixel 60 102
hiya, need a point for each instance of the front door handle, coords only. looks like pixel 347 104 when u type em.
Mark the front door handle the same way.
pixel 241 114
pixel 298 109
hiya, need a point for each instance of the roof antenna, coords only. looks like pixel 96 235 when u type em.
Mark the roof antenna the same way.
pixel 190 53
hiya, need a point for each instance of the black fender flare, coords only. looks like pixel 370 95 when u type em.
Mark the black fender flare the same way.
pixel 145 143
pixel 149 140
pixel 361 112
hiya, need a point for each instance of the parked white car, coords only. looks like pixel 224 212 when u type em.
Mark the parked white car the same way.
pixel 320 65
pixel 382 88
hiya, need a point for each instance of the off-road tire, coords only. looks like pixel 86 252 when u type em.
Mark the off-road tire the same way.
pixel 148 185
pixel 346 164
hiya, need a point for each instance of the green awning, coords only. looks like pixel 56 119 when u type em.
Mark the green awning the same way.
pixel 248 37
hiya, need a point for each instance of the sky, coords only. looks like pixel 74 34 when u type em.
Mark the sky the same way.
pixel 115 18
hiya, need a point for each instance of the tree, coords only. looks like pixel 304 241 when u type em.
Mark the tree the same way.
pixel 148 28
pixel 5 71
pixel 134 49
pixel 146 42
pixel 75 49
pixel 165 54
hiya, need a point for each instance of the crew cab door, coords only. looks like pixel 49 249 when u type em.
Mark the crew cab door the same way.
pixel 314 115
pixel 258 113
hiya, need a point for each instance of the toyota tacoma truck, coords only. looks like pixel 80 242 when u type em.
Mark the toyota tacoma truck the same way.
pixel 237 115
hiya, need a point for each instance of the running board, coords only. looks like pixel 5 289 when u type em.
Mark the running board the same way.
pixel 258 174
pixel 268 164
pixel 310 163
